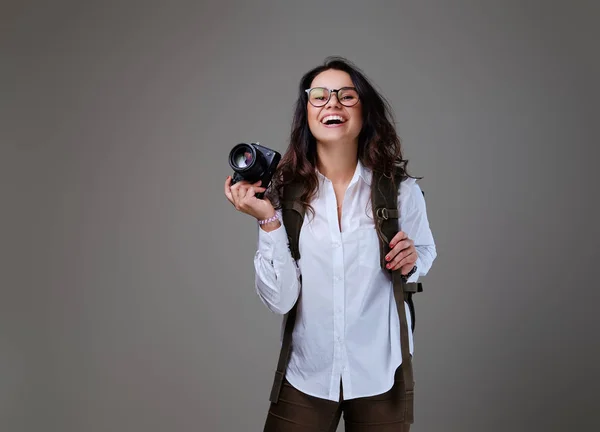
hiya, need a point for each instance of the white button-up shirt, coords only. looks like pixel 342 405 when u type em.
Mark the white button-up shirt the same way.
pixel 347 324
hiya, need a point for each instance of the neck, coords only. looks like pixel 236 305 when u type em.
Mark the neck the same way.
pixel 337 163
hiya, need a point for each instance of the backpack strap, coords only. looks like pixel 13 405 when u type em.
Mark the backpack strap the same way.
pixel 292 213
pixel 384 198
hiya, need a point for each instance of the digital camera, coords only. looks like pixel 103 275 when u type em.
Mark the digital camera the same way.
pixel 253 162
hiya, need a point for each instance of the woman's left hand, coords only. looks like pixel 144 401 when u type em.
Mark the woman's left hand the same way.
pixel 402 255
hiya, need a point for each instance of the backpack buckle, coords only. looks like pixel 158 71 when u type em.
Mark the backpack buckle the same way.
pixel 382 213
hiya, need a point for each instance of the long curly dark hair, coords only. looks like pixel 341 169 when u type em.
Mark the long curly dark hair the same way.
pixel 379 147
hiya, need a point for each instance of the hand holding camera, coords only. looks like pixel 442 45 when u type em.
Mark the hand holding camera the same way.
pixel 253 167
pixel 242 195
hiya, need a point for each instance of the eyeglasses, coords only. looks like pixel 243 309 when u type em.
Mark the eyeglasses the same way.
pixel 319 96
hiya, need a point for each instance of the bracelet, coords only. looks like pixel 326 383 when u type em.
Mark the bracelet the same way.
pixel 409 274
pixel 271 219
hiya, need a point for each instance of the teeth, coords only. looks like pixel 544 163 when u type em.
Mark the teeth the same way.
pixel 332 117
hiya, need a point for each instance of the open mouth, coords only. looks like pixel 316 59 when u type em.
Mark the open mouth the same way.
pixel 333 120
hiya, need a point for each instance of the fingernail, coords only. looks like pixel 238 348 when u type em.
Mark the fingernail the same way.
pixel 387 258
pixel 388 265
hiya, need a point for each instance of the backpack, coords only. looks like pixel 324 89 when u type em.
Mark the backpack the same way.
pixel 384 195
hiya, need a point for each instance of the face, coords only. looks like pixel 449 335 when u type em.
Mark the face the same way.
pixel 346 122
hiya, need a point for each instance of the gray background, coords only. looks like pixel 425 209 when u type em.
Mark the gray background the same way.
pixel 127 299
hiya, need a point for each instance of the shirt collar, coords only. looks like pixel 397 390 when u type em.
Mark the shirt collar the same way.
pixel 361 171
pixel 365 173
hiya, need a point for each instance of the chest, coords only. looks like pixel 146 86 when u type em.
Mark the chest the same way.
pixel 341 217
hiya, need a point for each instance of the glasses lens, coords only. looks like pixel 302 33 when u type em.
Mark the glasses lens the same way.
pixel 318 96
pixel 242 158
pixel 348 96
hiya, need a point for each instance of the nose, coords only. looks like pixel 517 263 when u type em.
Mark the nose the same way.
pixel 330 102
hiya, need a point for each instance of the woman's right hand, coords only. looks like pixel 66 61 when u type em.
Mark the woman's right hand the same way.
pixel 243 197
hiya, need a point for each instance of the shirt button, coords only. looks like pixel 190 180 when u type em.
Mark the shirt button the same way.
pixel 336 244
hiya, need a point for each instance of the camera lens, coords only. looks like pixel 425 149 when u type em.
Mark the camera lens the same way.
pixel 242 157
pixel 247 162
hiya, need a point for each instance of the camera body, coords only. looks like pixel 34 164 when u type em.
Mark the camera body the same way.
pixel 253 162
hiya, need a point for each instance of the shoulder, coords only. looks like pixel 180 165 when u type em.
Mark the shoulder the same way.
pixel 408 183
pixel 409 187
pixel 410 195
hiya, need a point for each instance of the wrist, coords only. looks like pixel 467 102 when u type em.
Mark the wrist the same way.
pixel 268 219
pixel 409 274
pixel 270 223
pixel 271 226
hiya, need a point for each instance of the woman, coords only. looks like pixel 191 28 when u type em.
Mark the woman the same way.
pixel 346 355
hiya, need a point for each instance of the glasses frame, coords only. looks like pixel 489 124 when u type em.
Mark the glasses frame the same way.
pixel 332 91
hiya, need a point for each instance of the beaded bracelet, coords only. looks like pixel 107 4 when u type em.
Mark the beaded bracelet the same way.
pixel 409 274
pixel 271 219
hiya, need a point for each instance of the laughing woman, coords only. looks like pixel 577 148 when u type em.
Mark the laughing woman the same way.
pixel 346 355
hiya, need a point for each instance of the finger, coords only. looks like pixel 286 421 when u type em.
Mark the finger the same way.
pixel 406 263
pixel 235 186
pixel 402 259
pixel 235 193
pixel 240 192
pixel 400 235
pixel 243 192
pixel 253 190
pixel 258 188
pixel 228 189
pixel 400 246
pixel 240 184
pixel 249 194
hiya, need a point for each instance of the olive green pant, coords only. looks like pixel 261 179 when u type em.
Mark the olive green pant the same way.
pixel 298 412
